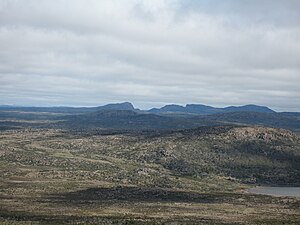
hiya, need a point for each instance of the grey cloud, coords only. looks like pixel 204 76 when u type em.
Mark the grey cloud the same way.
pixel 271 12
pixel 150 52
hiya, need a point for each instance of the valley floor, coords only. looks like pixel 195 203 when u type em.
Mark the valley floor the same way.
pixel 55 177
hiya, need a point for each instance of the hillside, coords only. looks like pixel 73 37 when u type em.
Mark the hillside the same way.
pixel 131 120
pixel 279 120
pixel 62 177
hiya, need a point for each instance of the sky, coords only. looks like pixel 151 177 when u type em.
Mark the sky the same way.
pixel 150 52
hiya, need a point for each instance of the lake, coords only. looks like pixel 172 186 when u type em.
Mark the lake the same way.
pixel 276 191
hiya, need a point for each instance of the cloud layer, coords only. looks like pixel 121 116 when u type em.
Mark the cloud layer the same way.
pixel 150 52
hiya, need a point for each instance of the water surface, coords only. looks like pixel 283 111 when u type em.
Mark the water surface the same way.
pixel 276 191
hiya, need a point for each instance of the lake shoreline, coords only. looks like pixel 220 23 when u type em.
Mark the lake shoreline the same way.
pixel 276 191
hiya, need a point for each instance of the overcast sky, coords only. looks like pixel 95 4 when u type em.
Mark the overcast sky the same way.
pixel 150 52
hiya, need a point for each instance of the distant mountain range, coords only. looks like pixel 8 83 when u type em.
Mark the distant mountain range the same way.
pixel 66 109
pixel 132 120
pixel 206 110
pixel 123 116
pixel 189 108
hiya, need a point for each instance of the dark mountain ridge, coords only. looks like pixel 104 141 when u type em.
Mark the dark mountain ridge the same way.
pixel 132 120
pixel 66 109
pixel 173 108
pixel 139 120
pixel 124 116
pixel 206 110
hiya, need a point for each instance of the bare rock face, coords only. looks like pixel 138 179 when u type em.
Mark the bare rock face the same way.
pixel 262 134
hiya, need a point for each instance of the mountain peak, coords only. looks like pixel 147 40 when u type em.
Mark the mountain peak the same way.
pixel 250 107
pixel 118 106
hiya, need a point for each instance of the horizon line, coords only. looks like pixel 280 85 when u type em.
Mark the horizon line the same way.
pixel 144 109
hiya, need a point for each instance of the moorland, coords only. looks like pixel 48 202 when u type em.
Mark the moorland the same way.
pixel 119 165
